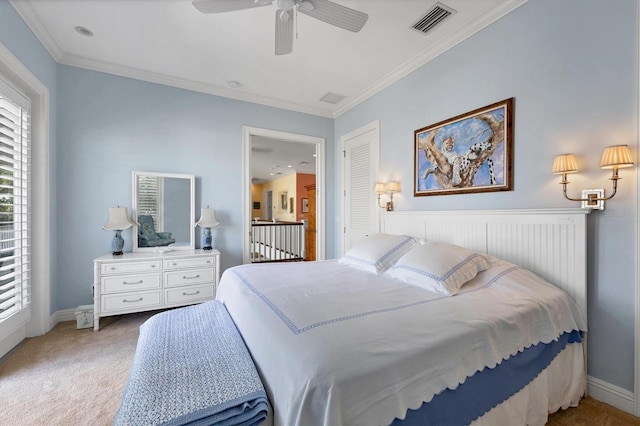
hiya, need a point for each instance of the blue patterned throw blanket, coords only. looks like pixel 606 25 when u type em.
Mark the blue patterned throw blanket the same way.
pixel 191 367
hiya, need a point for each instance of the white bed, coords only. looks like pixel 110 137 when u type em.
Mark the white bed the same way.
pixel 336 345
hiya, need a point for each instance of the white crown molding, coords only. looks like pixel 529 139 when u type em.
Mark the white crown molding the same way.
pixel 26 12
pixel 153 77
pixel 427 55
pixel 30 17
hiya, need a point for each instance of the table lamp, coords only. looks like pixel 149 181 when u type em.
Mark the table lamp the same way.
pixel 117 222
pixel 206 222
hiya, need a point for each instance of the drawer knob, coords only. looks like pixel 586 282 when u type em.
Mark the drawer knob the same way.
pixel 132 301
pixel 153 266
pixel 190 294
pixel 184 277
pixel 113 268
pixel 137 282
pixel 208 261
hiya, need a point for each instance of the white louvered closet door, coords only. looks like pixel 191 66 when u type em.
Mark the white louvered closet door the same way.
pixel 361 160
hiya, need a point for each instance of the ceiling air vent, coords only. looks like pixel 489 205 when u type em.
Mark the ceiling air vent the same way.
pixel 332 98
pixel 432 18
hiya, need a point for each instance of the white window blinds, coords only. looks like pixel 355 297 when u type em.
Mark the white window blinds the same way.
pixel 149 199
pixel 15 203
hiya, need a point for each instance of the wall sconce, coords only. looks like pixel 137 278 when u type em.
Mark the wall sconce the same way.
pixel 614 157
pixel 206 222
pixel 390 188
pixel 117 222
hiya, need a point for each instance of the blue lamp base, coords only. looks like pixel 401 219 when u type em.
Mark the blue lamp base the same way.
pixel 207 239
pixel 117 243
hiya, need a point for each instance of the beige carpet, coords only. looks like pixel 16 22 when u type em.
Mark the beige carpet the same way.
pixel 69 376
pixel 76 377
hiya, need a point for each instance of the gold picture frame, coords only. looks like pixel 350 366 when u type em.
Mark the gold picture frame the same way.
pixel 472 152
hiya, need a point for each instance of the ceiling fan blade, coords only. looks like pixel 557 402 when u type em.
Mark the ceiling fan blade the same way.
pixel 221 6
pixel 336 14
pixel 284 34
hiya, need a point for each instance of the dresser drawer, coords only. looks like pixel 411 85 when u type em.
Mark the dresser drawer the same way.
pixel 134 301
pixel 189 276
pixel 189 263
pixel 185 295
pixel 130 283
pixel 118 268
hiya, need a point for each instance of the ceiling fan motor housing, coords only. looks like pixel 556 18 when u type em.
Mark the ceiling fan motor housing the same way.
pixel 323 10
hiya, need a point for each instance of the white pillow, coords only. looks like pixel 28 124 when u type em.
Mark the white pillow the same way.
pixel 378 252
pixel 439 267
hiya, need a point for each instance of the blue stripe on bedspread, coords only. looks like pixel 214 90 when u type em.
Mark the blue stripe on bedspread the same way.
pixel 485 390
pixel 191 367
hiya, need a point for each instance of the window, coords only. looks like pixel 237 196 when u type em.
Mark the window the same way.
pixel 150 198
pixel 15 202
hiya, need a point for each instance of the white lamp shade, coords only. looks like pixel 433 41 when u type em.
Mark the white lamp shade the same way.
pixel 118 219
pixel 616 156
pixel 379 188
pixel 207 218
pixel 393 186
pixel 565 163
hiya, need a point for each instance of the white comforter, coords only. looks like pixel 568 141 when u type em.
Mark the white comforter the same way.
pixel 335 345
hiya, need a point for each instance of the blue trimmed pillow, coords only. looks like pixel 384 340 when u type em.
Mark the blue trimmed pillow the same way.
pixel 439 267
pixel 378 252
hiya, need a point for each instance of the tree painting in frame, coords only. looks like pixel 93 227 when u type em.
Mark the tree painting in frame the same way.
pixel 472 152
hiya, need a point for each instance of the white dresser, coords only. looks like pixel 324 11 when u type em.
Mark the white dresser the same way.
pixel 145 281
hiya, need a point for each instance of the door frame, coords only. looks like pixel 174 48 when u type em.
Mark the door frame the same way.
pixel 636 357
pixel 375 126
pixel 39 320
pixel 247 133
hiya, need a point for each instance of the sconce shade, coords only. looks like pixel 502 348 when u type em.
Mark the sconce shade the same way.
pixel 207 218
pixel 616 157
pixel 379 188
pixel 565 163
pixel 393 186
pixel 118 219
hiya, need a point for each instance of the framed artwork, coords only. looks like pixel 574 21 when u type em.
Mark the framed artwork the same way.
pixel 283 201
pixel 472 152
pixel 256 205
pixel 305 205
pixel 291 205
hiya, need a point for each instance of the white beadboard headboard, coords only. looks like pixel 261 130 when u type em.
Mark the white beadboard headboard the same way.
pixel 549 242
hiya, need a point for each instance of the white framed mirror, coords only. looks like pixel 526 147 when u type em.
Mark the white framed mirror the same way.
pixel 164 211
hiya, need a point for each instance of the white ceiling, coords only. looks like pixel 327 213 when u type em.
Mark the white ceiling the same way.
pixel 273 159
pixel 171 42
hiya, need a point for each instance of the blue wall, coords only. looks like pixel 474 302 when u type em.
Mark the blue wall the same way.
pixel 573 73
pixel 21 42
pixel 572 68
pixel 109 126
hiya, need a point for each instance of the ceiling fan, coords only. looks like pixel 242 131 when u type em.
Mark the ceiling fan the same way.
pixel 324 10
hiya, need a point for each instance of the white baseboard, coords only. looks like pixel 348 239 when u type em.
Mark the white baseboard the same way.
pixel 611 394
pixel 61 316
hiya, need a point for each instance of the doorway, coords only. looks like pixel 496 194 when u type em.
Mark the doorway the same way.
pixel 249 133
